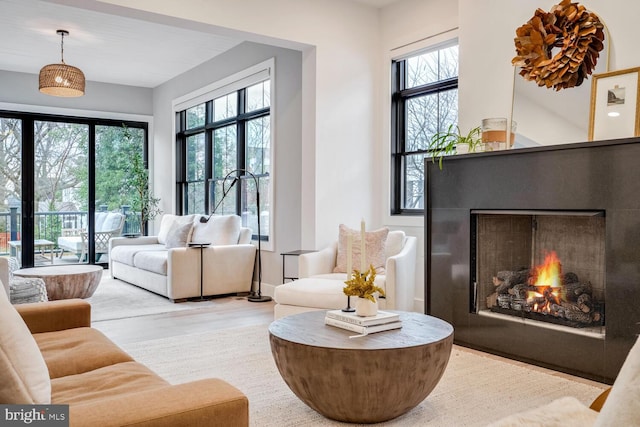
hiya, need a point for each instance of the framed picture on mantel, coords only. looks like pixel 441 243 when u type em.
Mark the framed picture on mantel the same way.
pixel 615 111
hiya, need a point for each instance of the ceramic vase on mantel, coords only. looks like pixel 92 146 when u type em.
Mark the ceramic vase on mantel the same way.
pixel 365 307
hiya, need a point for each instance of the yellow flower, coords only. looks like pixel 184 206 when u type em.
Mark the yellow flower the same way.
pixel 362 285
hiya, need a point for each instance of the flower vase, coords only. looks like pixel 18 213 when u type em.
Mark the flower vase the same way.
pixel 365 307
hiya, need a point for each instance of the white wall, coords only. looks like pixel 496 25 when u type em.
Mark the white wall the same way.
pixel 286 103
pixel 487 31
pixel 405 27
pixel 339 72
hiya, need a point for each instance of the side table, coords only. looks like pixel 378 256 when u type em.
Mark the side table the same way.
pixel 201 246
pixel 292 253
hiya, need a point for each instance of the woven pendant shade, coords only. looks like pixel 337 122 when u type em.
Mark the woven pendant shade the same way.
pixel 61 80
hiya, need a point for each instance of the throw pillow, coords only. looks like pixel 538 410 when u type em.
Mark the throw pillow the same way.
pixel 179 235
pixel 375 242
pixel 111 222
pixel 167 223
pixel 24 376
pixel 622 407
pixel 220 230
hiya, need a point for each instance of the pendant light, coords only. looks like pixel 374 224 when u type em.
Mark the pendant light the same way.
pixel 61 79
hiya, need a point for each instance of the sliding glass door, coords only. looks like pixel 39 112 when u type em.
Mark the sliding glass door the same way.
pixel 64 187
pixel 10 185
pixel 60 197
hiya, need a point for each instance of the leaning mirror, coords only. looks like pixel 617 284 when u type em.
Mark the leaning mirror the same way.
pixel 555 113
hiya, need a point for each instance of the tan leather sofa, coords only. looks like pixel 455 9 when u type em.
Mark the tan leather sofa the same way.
pixel 60 359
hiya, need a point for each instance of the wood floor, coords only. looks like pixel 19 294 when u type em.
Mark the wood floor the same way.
pixel 228 312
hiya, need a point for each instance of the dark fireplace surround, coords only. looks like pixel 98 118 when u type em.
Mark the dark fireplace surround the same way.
pixel 589 177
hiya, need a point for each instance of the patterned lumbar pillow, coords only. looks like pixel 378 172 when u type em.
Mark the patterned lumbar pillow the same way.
pixel 374 249
pixel 179 235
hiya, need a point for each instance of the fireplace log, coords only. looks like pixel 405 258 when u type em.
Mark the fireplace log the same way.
pixel 572 306
pixel 570 278
pixel 492 300
pixel 501 281
pixel 519 291
pixel 503 288
pixel 519 276
pixel 581 317
pixel 575 289
pixel 584 303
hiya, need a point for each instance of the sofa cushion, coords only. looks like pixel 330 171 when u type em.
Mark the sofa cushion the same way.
pixel 125 253
pixel 374 249
pixel 154 261
pixel 77 350
pixel 563 412
pixel 24 378
pixel 179 235
pixel 70 243
pixel 111 222
pixel 109 381
pixel 167 223
pixel 622 407
pixel 379 281
pixel 312 292
pixel 219 230
pixel 100 218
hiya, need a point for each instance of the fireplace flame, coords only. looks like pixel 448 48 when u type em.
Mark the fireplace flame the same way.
pixel 548 284
pixel 549 273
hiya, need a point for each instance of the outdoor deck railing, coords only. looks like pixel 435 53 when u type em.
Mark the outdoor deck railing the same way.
pixel 50 225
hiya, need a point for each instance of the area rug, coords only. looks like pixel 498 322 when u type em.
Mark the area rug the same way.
pixel 474 391
pixel 115 299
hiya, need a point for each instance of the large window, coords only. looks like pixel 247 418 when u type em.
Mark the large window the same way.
pixel 424 101
pixel 58 174
pixel 229 137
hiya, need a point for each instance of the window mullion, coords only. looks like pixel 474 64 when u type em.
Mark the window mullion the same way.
pixel 423 71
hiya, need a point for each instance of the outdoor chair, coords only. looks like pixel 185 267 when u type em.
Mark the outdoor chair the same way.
pixel 107 225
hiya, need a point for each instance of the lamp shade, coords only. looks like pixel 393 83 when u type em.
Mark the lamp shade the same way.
pixel 61 80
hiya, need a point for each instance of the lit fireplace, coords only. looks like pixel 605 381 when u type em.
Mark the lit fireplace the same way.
pixel 505 211
pixel 545 293
pixel 541 266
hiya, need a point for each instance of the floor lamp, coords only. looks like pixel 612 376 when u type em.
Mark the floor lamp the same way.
pixel 254 296
pixel 257 296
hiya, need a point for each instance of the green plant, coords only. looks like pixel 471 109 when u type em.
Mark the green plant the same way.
pixel 444 143
pixel 362 285
pixel 137 185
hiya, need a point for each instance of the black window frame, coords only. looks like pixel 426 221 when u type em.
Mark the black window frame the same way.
pixel 28 191
pixel 399 97
pixel 240 121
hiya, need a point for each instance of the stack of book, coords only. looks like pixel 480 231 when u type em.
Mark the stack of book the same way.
pixel 383 321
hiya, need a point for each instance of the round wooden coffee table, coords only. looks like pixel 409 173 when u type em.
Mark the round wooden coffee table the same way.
pixel 68 281
pixel 361 380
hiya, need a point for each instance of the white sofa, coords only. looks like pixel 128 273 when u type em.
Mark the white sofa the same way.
pixel 166 265
pixel 319 288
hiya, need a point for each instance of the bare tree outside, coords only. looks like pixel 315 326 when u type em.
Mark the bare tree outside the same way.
pixel 61 170
pixel 425 115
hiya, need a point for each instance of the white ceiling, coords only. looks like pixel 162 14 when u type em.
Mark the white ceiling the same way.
pixel 107 48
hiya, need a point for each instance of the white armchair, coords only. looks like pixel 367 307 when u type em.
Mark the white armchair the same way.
pixel 320 289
